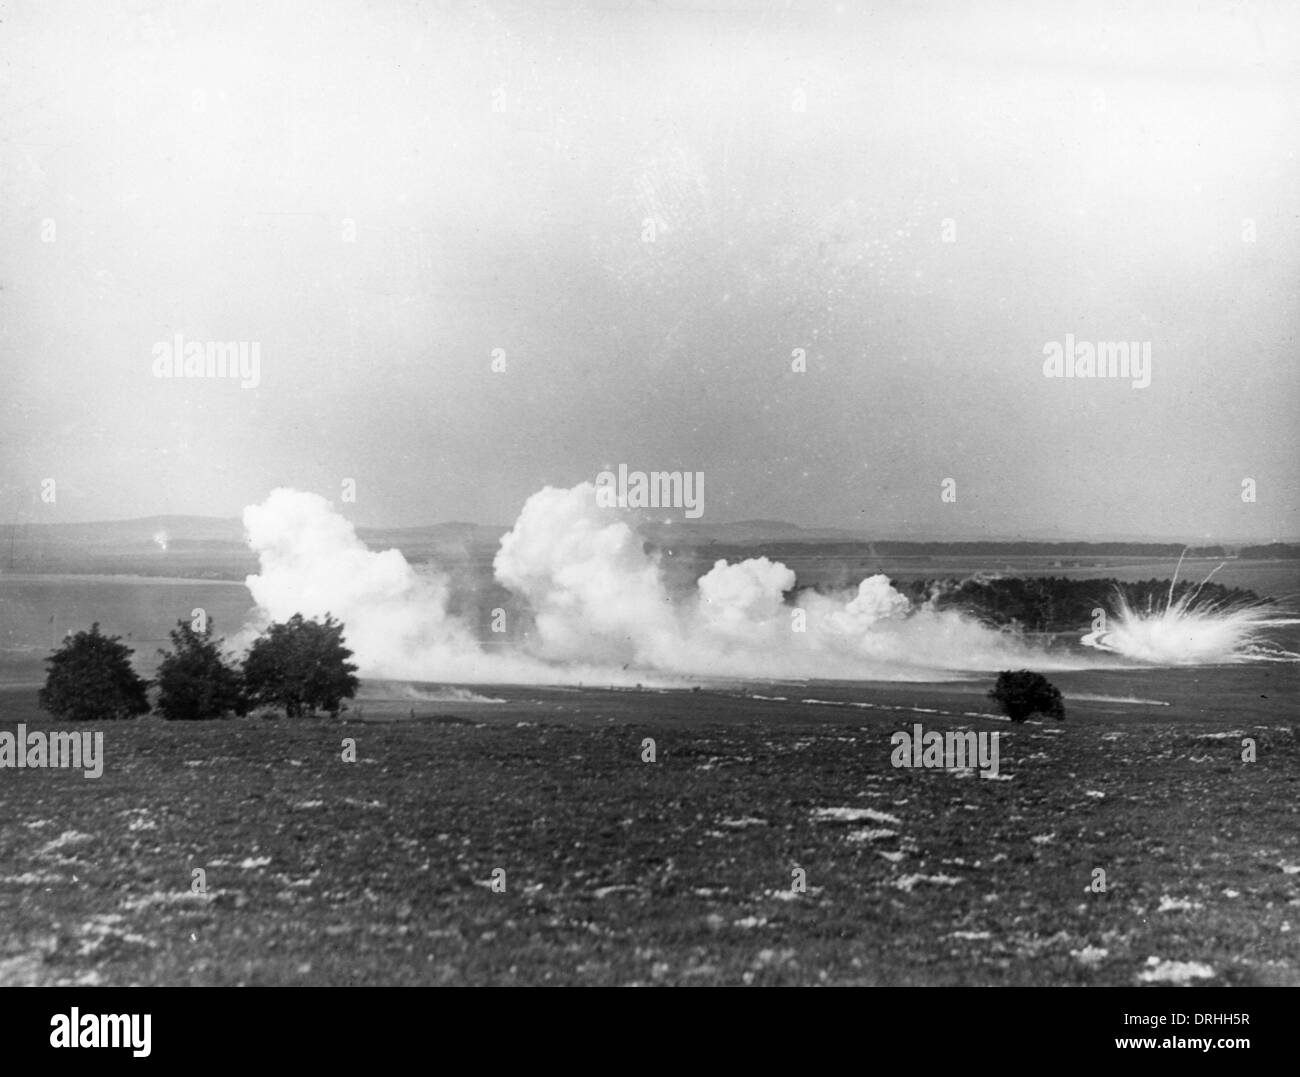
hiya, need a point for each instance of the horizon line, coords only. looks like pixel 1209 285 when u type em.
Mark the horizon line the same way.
pixel 849 534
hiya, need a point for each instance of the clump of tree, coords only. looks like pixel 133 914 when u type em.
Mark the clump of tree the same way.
pixel 194 679
pixel 1023 693
pixel 302 666
pixel 90 679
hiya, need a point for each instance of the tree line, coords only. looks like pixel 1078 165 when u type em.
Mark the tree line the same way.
pixel 1056 604
pixel 299 666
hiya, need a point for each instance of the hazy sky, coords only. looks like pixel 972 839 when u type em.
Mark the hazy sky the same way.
pixel 919 196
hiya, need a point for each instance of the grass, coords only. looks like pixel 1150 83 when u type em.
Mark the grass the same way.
pixel 618 871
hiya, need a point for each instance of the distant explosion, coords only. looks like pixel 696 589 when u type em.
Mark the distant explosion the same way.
pixel 1183 632
pixel 594 608
pixel 160 540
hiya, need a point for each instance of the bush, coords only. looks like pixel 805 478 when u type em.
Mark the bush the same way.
pixel 1023 693
pixel 194 680
pixel 90 679
pixel 300 665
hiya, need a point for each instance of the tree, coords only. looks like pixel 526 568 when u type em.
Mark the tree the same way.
pixel 300 665
pixel 90 679
pixel 194 680
pixel 1023 693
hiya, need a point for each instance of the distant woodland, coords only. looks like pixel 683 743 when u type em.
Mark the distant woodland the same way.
pixel 1053 604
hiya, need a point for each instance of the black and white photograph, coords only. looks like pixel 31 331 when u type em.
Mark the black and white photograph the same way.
pixel 736 493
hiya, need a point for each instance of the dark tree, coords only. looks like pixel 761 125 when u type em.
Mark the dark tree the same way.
pixel 300 665
pixel 193 678
pixel 90 679
pixel 1023 693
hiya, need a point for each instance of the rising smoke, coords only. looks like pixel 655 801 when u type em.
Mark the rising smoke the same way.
pixel 598 610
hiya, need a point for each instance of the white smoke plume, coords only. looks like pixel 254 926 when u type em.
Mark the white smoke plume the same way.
pixel 594 593
pixel 313 563
pixel 600 610
pixel 395 617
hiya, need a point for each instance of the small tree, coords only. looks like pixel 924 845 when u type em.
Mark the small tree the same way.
pixel 194 680
pixel 1023 693
pixel 90 679
pixel 300 665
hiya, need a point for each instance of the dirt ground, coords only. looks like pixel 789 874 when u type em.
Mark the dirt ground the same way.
pixel 613 870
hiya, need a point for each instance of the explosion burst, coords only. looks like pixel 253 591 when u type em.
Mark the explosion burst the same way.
pixel 1184 632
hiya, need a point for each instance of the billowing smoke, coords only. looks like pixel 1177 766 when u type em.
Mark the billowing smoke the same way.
pixel 583 572
pixel 738 600
pixel 161 540
pixel 598 610
pixel 396 617
pixel 313 563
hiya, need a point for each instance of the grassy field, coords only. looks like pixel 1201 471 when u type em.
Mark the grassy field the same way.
pixel 619 871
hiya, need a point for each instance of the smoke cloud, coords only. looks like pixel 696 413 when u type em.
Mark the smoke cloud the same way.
pixel 312 563
pixel 596 608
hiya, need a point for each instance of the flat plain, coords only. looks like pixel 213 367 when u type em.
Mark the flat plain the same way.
pixel 677 871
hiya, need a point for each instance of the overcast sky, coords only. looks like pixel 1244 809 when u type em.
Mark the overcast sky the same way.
pixel 919 196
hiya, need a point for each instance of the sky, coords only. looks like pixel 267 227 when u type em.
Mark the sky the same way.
pixel 816 252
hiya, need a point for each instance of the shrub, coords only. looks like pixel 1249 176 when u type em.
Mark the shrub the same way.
pixel 300 665
pixel 90 679
pixel 194 680
pixel 1023 693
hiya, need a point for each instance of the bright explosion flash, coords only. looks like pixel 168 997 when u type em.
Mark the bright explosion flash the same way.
pixel 1180 634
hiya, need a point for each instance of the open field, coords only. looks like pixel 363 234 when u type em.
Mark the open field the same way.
pixel 619 871
pixel 321 871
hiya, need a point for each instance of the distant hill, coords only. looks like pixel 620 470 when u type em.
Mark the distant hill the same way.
pixel 214 546
pixel 696 532
pixel 128 532
pixel 432 534
pixel 199 546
